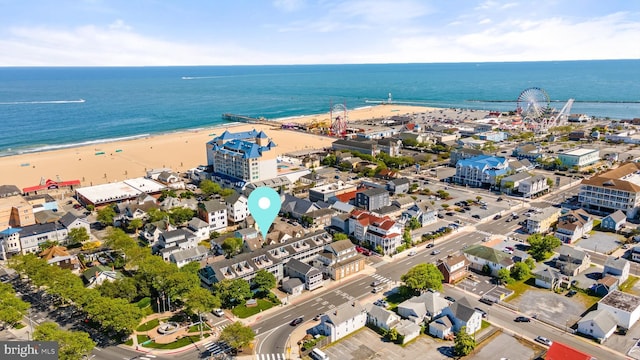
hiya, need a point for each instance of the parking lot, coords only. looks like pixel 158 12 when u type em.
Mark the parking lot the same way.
pixel 504 346
pixel 602 242
pixel 550 307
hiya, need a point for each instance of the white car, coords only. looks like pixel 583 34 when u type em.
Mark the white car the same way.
pixel 544 340
pixel 412 252
pixel 218 312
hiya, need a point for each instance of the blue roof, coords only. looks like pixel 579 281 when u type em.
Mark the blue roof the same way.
pixel 10 231
pixel 241 148
pixel 261 135
pixel 227 135
pixel 484 161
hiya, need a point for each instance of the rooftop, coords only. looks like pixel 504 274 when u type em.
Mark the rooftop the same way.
pixel 580 152
pixel 623 301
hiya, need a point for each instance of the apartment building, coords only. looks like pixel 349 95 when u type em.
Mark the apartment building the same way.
pixel 242 157
pixel 616 189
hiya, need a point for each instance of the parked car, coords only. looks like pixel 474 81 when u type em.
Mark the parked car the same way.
pixel 297 321
pixel 218 312
pixel 497 217
pixel 449 298
pixel 412 252
pixel 317 317
pixel 522 319
pixel 499 199
pixel 484 313
pixel 429 245
pixel 476 216
pixel 543 340
pixel 381 303
pixel 435 252
pixel 377 289
pixel 571 293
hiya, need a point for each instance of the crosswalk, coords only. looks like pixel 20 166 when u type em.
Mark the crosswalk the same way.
pixel 270 356
pixel 381 278
pixel 215 348
pixel 222 326
pixel 146 357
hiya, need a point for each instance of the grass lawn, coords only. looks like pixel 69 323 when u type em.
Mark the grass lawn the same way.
pixel 520 287
pixel 129 342
pixel 196 328
pixel 397 298
pixel 187 340
pixel 142 338
pixel 148 325
pixel 19 326
pixel 586 299
pixel 628 284
pixel 484 325
pixel 244 312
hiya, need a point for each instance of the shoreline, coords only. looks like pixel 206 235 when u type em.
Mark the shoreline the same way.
pixel 109 161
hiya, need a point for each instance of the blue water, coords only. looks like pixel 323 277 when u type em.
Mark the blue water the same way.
pixel 42 108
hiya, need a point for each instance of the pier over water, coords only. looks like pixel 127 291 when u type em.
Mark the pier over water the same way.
pixel 249 120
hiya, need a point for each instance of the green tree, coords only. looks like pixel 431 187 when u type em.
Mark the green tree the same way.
pixel 264 280
pixel 549 182
pixel 125 288
pixel 329 160
pixel 443 194
pixel 78 235
pixel 209 187
pixel 12 308
pixel 406 237
pixel 464 343
pixel 199 300
pixel 105 215
pixel 422 277
pixel 478 198
pixel 232 246
pixel 117 239
pixel 156 215
pixel 530 263
pixel 135 225
pixel 232 292
pixel 192 267
pixel 504 276
pixel 520 271
pixel 181 215
pixel 393 334
pixel 340 236
pixel 542 246
pixel 72 345
pixel 237 335
pixel 414 223
pixel 114 314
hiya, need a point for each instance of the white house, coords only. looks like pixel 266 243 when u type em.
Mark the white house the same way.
pixel 426 306
pixel 237 207
pixel 598 324
pixel 480 255
pixel 381 317
pixel 342 321
pixel 617 267
pixel 213 213
pixel 199 228
pixel 441 327
pixel 184 256
pixel 151 231
pixel 624 307
pixel 461 313
pixel 426 215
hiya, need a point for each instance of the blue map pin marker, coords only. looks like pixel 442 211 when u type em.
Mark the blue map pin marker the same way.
pixel 264 206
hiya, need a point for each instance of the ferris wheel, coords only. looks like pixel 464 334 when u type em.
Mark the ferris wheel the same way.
pixel 533 103
pixel 339 119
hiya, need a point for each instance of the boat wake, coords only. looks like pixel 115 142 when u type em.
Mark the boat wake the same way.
pixel 199 77
pixel 43 102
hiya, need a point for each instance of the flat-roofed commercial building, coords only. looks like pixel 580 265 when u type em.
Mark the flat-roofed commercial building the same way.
pixel 118 192
pixel 579 157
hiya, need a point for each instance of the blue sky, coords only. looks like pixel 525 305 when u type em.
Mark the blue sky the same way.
pixel 253 32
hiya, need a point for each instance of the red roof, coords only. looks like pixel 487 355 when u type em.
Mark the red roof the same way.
pixel 346 197
pixel 365 218
pixel 559 351
pixel 50 184
pixel 410 126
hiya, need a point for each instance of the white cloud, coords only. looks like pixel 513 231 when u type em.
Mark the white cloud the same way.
pixel 484 21
pixel 119 25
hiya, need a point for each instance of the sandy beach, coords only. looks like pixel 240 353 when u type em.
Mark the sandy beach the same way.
pixel 180 151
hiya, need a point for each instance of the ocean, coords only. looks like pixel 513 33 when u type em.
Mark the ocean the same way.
pixel 49 108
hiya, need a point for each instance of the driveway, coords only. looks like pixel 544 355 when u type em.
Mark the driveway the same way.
pixel 505 346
